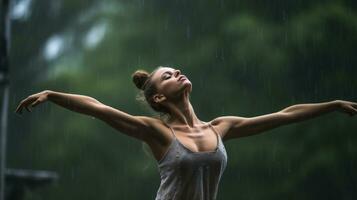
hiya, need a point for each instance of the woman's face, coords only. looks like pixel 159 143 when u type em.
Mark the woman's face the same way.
pixel 170 82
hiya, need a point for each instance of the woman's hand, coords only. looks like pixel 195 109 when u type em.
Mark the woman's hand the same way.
pixel 32 101
pixel 347 107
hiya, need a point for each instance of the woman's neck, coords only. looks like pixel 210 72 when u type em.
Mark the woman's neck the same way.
pixel 183 114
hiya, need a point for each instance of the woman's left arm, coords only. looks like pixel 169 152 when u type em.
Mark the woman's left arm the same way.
pixel 234 127
pixel 301 112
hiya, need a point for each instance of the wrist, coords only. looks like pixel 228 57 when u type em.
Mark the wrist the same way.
pixel 48 93
pixel 337 104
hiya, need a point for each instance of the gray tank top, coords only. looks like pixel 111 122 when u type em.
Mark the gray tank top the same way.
pixel 188 175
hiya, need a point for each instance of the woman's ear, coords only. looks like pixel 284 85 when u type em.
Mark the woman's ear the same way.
pixel 158 98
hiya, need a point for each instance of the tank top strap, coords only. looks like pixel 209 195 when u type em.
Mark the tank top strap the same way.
pixel 214 129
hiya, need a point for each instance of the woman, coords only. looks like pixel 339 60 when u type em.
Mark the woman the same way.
pixel 190 153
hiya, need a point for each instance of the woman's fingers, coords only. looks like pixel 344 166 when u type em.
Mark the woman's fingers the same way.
pixel 28 109
pixel 348 107
pixel 354 111
pixel 18 110
pixel 354 105
pixel 19 107
pixel 24 103
pixel 351 110
pixel 35 103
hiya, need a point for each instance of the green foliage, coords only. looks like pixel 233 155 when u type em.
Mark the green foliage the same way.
pixel 250 58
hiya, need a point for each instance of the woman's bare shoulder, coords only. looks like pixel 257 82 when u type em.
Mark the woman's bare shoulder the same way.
pixel 159 130
pixel 223 123
pixel 153 122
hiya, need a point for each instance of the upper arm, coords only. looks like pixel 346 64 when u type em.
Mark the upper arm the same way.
pixel 138 127
pixel 235 127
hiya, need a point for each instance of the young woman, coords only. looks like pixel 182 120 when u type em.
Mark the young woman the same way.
pixel 190 153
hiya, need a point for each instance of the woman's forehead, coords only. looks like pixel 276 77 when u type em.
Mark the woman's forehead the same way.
pixel 162 70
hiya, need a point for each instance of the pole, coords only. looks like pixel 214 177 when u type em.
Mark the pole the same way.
pixel 4 49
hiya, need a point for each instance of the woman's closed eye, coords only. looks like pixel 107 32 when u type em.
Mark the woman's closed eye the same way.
pixel 167 77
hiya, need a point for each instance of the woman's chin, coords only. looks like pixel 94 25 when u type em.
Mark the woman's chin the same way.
pixel 188 88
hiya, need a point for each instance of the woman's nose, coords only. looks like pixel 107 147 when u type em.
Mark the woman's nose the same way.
pixel 178 72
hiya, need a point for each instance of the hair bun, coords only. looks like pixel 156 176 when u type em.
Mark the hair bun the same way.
pixel 139 78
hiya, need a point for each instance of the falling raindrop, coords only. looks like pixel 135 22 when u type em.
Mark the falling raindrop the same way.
pixel 188 32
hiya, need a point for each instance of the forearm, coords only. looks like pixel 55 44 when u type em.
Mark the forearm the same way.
pixel 301 112
pixel 74 102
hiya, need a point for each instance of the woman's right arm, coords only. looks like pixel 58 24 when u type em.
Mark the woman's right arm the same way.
pixel 138 127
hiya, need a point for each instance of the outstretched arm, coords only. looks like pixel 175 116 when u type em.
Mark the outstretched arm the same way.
pixel 301 112
pixel 74 102
pixel 234 127
pixel 134 126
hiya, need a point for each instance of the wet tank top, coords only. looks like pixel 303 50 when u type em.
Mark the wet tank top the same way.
pixel 189 175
